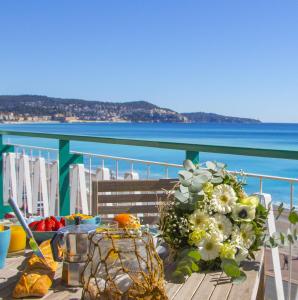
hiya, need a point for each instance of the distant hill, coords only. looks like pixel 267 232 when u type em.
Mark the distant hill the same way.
pixel 201 117
pixel 27 106
pixel 43 108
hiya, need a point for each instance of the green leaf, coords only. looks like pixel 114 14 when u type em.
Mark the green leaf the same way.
pixel 239 279
pixel 189 165
pixel 195 255
pixel 282 238
pixel 194 267
pixel 230 267
pixel 178 276
pixel 290 238
pixel 185 270
pixel 293 217
pixel 280 209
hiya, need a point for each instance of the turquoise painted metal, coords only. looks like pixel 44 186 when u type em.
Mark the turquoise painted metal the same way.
pixel 193 156
pixel 3 149
pixel 66 158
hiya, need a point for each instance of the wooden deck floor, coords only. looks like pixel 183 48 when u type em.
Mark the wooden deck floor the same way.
pixel 200 286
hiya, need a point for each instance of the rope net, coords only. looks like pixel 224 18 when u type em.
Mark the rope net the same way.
pixel 122 265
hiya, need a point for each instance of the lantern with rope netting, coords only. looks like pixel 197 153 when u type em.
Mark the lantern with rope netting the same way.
pixel 123 264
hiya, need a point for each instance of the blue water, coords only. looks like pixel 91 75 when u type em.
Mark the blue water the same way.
pixel 273 136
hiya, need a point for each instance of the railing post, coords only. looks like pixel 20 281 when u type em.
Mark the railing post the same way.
pixel 3 149
pixel 193 156
pixel 65 160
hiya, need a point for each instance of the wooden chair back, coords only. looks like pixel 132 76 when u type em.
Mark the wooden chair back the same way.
pixel 138 197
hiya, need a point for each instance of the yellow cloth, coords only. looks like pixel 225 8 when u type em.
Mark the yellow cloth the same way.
pixel 38 276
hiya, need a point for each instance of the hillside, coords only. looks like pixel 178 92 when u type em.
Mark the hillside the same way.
pixel 201 117
pixel 24 108
pixel 28 106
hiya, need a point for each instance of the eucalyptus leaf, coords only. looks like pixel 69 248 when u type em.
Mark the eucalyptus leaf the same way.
pixel 216 180
pixel 185 175
pixel 180 197
pixel 196 186
pixel 184 190
pixel 189 165
pixel 221 165
pixel 211 165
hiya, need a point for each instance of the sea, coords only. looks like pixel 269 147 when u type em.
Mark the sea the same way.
pixel 263 135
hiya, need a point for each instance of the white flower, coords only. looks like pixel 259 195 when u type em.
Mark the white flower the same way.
pixel 209 248
pixel 247 234
pixel 243 212
pixel 224 225
pixel 223 198
pixel 241 254
pixel 199 219
pixel 244 236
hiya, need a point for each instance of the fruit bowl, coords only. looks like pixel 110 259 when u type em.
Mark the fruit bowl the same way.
pixel 47 231
pixel 41 236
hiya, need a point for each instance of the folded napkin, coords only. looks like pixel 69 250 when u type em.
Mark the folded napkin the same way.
pixel 38 275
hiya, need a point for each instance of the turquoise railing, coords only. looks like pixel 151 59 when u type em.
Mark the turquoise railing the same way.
pixel 66 158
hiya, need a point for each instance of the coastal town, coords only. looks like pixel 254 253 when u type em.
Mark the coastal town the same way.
pixel 34 108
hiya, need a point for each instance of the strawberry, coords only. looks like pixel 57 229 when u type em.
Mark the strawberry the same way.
pixel 32 225
pixel 48 224
pixel 41 226
pixel 62 221
pixel 58 226
pixel 54 219
pixel 9 216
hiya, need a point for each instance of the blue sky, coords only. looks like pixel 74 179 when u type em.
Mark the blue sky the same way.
pixel 231 57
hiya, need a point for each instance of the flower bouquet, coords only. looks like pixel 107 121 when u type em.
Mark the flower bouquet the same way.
pixel 210 223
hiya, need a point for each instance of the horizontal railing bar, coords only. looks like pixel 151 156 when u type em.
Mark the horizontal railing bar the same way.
pixel 287 179
pixel 135 160
pixel 269 153
pixel 34 147
pixel 149 162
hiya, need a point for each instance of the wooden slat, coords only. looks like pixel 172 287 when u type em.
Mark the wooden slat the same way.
pixel 127 209
pixel 190 286
pixel 172 289
pixel 206 288
pixel 94 209
pixel 222 288
pixel 134 185
pixel 125 198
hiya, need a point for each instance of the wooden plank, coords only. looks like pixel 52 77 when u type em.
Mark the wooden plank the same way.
pixel 249 288
pixel 172 289
pixel 134 185
pixel 207 287
pixel 188 289
pixel 128 198
pixel 128 209
pixel 222 288
pixel 94 208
